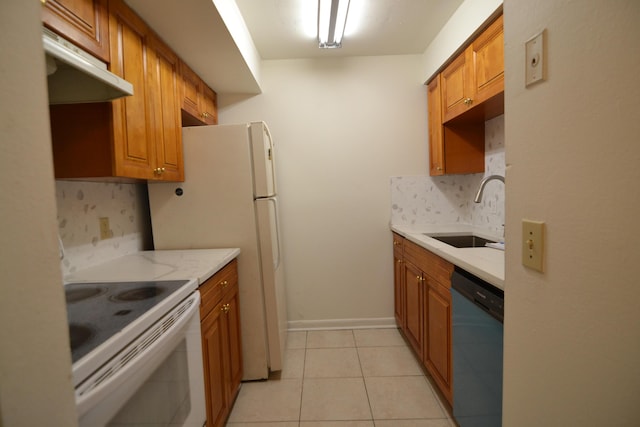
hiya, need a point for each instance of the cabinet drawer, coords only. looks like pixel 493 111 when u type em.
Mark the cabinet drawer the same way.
pixel 212 290
pixel 431 264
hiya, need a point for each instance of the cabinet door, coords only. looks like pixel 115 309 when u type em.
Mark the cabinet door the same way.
pixel 399 291
pixel 213 355
pixel 437 355
pixel 455 88
pixel 233 342
pixel 133 133
pixel 166 108
pixel 436 141
pixel 191 91
pixel 209 110
pixel 488 62
pixel 414 307
pixel 82 22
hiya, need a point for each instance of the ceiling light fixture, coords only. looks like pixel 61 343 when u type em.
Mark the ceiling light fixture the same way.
pixel 332 17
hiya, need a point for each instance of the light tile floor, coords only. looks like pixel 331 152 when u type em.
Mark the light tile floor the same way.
pixel 348 378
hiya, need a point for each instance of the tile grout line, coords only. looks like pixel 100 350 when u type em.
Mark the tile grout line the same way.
pixel 366 390
pixel 304 365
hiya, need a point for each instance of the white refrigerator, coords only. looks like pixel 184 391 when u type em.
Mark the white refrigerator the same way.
pixel 229 199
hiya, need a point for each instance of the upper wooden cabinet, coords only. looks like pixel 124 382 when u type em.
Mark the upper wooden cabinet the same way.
pixel 82 22
pixel 469 91
pixel 487 52
pixel 138 136
pixel 198 99
pixel 476 75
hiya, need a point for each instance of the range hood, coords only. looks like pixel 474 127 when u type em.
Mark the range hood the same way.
pixel 75 76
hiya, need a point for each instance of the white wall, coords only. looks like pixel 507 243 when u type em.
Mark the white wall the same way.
pixel 341 127
pixel 572 346
pixel 35 360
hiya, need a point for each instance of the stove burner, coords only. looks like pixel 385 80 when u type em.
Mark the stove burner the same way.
pixel 139 294
pixel 79 334
pixel 79 294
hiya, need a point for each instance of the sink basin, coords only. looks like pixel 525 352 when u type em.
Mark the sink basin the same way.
pixel 461 240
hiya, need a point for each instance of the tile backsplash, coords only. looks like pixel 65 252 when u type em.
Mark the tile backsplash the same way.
pixel 448 199
pixel 81 204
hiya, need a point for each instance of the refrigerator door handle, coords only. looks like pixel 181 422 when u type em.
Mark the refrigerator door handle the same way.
pixel 275 210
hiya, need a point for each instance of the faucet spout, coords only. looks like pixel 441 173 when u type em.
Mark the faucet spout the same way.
pixel 483 184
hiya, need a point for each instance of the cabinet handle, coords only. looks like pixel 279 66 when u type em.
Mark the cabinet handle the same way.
pixel 158 171
pixel 396 243
pixel 204 115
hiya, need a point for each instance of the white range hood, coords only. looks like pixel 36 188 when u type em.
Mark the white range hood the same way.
pixel 75 76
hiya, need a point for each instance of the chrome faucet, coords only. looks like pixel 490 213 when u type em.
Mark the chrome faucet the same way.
pixel 484 183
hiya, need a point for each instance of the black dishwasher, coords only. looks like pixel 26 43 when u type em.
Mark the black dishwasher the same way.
pixel 478 315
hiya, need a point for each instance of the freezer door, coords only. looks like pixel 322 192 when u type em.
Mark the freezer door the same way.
pixel 272 279
pixel 264 173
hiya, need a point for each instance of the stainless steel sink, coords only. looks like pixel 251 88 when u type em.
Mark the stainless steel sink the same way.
pixel 461 240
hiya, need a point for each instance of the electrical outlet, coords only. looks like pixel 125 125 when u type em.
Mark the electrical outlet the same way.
pixel 105 230
pixel 535 70
pixel 533 244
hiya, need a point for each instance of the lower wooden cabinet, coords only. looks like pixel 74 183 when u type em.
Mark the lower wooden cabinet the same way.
pixel 399 285
pixel 221 342
pixel 422 289
pixel 438 345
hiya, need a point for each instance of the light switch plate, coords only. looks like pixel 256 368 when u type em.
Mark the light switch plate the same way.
pixel 533 244
pixel 535 67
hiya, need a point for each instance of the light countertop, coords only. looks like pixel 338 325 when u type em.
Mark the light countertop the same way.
pixel 485 263
pixel 198 264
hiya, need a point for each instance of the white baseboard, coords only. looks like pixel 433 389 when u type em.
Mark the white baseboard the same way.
pixel 371 323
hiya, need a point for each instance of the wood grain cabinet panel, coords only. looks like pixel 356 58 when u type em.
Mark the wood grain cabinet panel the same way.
pixel 436 140
pixel 199 101
pixel 487 53
pixel 83 22
pixel 426 304
pixel 399 286
pixel 438 349
pixel 137 137
pixel 221 342
pixel 468 91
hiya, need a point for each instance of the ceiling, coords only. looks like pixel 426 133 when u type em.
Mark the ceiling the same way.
pixel 212 39
pixel 286 29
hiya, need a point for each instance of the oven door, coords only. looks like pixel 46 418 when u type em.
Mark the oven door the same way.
pixel 156 380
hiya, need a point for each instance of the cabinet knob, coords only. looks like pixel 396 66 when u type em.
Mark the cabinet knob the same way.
pixel 43 2
pixel 224 283
pixel 225 308
pixel 396 243
pixel 468 101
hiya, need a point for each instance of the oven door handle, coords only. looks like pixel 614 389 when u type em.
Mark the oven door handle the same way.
pixel 146 353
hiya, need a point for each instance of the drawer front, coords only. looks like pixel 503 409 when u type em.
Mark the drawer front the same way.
pixel 431 264
pixel 212 290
